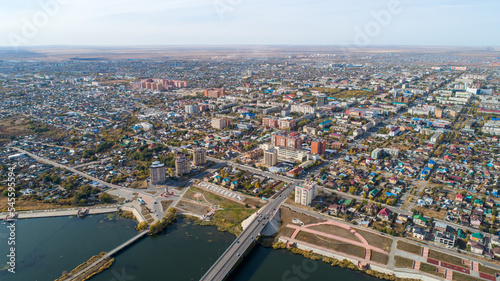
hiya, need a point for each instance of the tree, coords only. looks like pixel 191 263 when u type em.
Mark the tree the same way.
pixel 106 198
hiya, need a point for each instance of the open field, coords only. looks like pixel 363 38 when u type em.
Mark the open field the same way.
pixel 403 262
pixel 446 258
pixel 26 205
pixel 331 244
pixel 411 248
pixel 337 231
pixel 373 239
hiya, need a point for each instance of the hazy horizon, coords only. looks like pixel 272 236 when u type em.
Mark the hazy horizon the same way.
pixel 360 23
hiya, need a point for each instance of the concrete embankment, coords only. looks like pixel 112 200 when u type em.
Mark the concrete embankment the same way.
pixel 60 212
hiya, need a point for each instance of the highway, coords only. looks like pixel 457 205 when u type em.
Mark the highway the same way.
pixel 221 268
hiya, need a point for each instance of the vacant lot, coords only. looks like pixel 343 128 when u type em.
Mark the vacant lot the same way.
pixel 379 257
pixel 376 240
pixel 432 213
pixel 331 244
pixel 335 230
pixel 411 248
pixel 191 207
pixel 428 268
pixel 446 258
pixel 403 262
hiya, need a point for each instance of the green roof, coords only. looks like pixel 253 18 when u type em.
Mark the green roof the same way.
pixel 478 235
pixel 419 217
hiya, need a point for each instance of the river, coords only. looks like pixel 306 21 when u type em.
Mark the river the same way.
pixel 47 247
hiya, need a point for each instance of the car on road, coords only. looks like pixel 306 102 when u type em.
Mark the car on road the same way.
pixel 238 254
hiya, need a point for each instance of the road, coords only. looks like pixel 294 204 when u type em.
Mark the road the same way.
pixel 226 262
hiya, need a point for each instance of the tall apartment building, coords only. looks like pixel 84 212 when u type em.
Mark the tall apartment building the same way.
pixel 215 93
pixel 191 108
pixel 438 113
pixel 302 108
pixel 291 140
pixel 199 157
pixel 159 84
pixel 182 166
pixel 318 146
pixel 270 157
pixel 157 172
pixel 220 123
pixel 286 123
pixel 322 100
pixel 270 122
pixel 305 193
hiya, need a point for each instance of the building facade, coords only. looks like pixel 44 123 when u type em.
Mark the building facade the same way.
pixel 157 172
pixel 182 166
pixel 270 157
pixel 199 157
pixel 305 193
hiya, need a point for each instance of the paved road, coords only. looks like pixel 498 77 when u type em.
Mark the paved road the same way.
pixel 226 262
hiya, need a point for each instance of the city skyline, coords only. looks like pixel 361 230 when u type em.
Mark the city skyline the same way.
pixel 358 23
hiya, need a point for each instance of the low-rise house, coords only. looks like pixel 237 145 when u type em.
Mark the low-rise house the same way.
pixel 419 233
pixel 476 248
pixel 441 227
pixel 420 220
pixel 384 214
pixel 370 209
pixel 476 221
pixel 477 237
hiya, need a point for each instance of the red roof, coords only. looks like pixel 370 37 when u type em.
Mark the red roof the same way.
pixel 385 212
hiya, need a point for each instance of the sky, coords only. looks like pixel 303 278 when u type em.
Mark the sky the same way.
pixel 256 22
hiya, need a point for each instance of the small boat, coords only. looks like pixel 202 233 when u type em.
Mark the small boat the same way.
pixel 12 217
pixel 83 212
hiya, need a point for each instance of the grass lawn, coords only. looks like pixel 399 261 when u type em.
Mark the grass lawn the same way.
pixel 410 248
pixel 379 257
pixel 464 277
pixel 446 258
pixel 166 204
pixel 403 262
pixel 428 268
pixel 488 270
pixel 331 244
pixel 376 240
pixel 337 231
pixel 286 232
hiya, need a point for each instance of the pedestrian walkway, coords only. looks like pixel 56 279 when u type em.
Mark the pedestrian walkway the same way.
pixel 425 253
pixel 416 265
pixel 448 275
